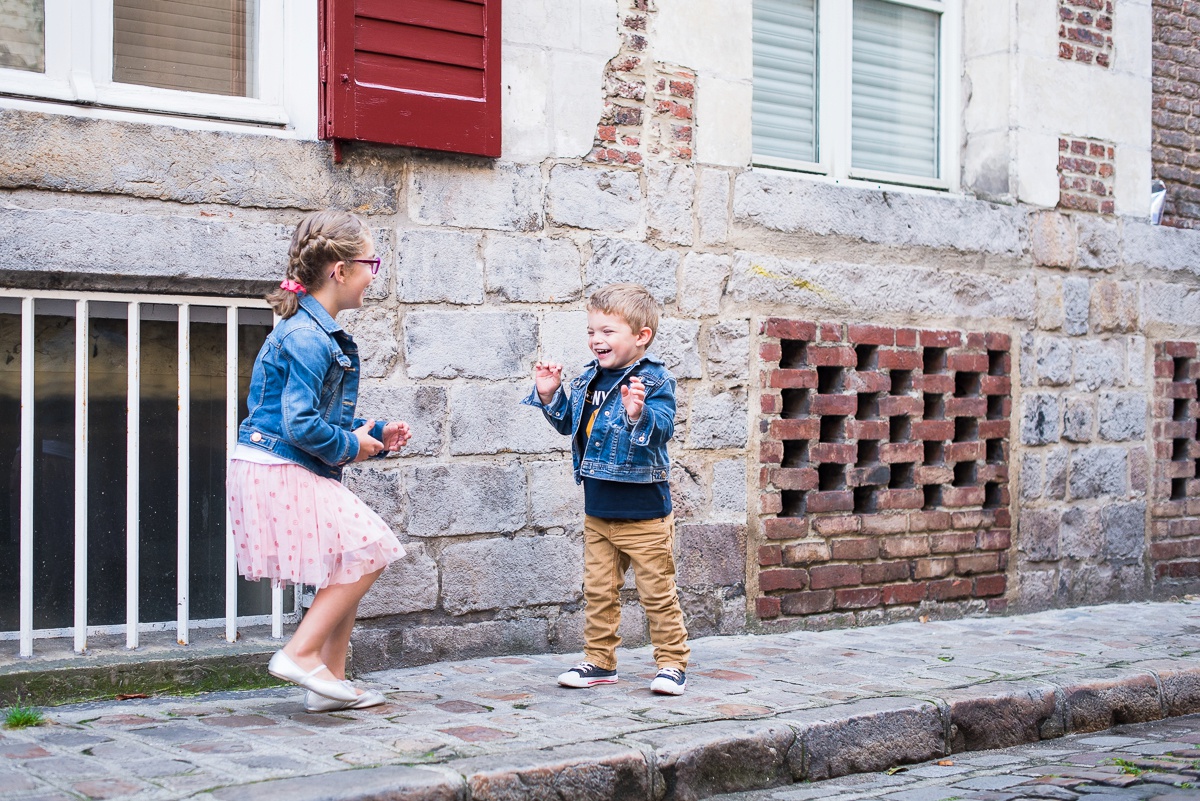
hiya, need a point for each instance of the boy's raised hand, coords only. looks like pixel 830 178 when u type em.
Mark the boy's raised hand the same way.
pixel 547 377
pixel 396 435
pixel 633 397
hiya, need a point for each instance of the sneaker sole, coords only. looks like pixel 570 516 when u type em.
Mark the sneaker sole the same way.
pixel 674 690
pixel 585 683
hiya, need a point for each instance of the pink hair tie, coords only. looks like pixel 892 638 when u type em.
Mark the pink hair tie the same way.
pixel 291 286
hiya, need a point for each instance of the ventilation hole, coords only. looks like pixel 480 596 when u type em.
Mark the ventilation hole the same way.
pixel 795 453
pixel 866 500
pixel 831 477
pixel 935 407
pixel 964 474
pixel 934 360
pixel 794 353
pixel 933 496
pixel 996 362
pixel 833 428
pixel 967 385
pixel 995 451
pixel 1198 428
pixel 868 406
pixel 935 451
pixel 868 357
pixel 995 407
pixel 829 380
pixel 902 476
pixel 1181 410
pixel 899 428
pixel 793 503
pixel 966 429
pixel 991 495
pixel 868 451
pixel 1178 489
pixel 1182 373
pixel 1197 474
pixel 795 403
pixel 1179 449
pixel 902 381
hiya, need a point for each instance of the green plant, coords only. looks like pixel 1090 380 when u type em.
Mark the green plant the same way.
pixel 19 716
pixel 1127 767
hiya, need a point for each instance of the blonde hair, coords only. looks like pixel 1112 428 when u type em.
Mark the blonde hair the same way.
pixel 632 302
pixel 322 238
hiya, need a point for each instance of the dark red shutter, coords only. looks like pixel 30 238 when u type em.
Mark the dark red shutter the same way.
pixel 418 73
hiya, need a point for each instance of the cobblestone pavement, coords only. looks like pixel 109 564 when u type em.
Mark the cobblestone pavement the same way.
pixel 780 707
pixel 1157 761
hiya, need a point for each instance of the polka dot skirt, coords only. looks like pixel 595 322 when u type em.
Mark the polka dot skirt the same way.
pixel 291 525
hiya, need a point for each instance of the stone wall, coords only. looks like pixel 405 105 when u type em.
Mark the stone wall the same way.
pixel 1176 110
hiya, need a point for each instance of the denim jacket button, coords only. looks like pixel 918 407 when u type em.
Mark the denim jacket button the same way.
pixel 256 437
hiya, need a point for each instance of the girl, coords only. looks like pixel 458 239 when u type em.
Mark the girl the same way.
pixel 292 518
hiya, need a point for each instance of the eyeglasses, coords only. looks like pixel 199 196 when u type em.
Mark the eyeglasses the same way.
pixel 375 262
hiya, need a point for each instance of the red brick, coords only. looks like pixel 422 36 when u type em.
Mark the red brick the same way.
pixel 767 607
pixel 805 378
pixel 770 452
pixel 783 578
pixel 932 568
pixel 860 598
pixel 793 478
pixel 968 362
pixel 832 356
pixel 770 351
pixel 949 589
pixel 796 428
pixel 906 337
pixel 864 380
pixel 966 407
pixel 885 571
pixel 993 429
pixel 895 405
pixel 870 476
pixel 770 403
pixel 977 563
pixel 831 501
pixel 930 521
pixel 904 593
pixel 833 453
pixel 871 334
pixel 932 429
pixel 1174 549
pixel 903 547
pixel 898 359
pixel 958 497
pixel 995 384
pixel 997 539
pixel 785 528
pixel 972 451
pixel 990 585
pixel 826 576
pixel 1179 349
pixel 940 339
pixel 790 329
pixel 807 603
pixel 769 555
pixel 885 524
pixel 806 553
pixel 854 548
pixel 974 519
pixel 927 474
pixel 900 452
pixel 839 524
pixel 834 404
pixel 831 332
pixel 770 503
pixel 996 341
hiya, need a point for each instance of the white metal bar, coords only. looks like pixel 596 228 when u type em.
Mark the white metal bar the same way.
pixel 183 566
pixel 169 300
pixel 166 625
pixel 231 423
pixel 133 495
pixel 27 378
pixel 81 477
pixel 277 612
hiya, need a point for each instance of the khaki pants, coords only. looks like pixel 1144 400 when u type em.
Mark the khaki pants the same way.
pixel 610 547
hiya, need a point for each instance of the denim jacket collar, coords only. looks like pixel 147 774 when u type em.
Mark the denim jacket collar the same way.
pixel 319 315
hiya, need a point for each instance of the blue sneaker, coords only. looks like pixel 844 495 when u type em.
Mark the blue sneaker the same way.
pixel 669 681
pixel 585 674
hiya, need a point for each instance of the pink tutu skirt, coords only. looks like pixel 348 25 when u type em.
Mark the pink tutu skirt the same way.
pixel 291 525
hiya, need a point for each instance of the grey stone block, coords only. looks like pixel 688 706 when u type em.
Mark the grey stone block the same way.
pixel 1135 352
pixel 1050 312
pixel 1037 534
pixel 1036 589
pixel 729 488
pixel 867 736
pixel 380 490
pixel 1056 472
pixel 423 645
pixel 377 784
pixel 1078 419
pixel 1028 365
pixel 710 555
pixel 1099 363
pixel 487 418
pixel 1099 242
pixel 689 495
pixel 1099 471
pixel 791 203
pixel 475 193
pixel 1162 302
pixel 1001 715
pixel 1085 584
pixel 1122 416
pixel 62 153
pixel 702 283
pixel 422 407
pixel 410 584
pixel 446 344
pixel 465 498
pixel 502 573
pixel 719 419
pixel 1076 302
pixel 677 343
pixel 729 350
pixel 1053 361
pixel 1124 527
pixel 555 500
pixel 583 771
pixel 1039 419
pixel 712 206
pixel 526 270
pixel 1105 698
pixel 1159 247
pixel 594 197
pixel 1031 475
pixel 669 192
pixel 564 340
pixel 1052 238
pixel 439 267
pixel 617 261
pixel 1080 536
pixel 375 329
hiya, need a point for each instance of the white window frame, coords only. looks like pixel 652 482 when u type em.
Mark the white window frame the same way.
pixel 79 69
pixel 835 20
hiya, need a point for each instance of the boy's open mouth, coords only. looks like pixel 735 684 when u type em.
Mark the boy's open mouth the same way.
pixel 601 351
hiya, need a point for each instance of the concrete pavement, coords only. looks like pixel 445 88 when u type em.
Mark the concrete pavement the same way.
pixel 760 711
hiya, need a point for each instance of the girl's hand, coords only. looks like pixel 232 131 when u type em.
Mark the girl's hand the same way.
pixel 547 377
pixel 395 435
pixel 368 446
pixel 633 397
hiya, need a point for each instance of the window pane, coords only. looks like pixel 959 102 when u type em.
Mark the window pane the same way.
pixel 895 89
pixel 785 79
pixel 23 35
pixel 194 45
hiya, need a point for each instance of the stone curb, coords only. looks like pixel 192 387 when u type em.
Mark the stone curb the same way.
pixel 699 760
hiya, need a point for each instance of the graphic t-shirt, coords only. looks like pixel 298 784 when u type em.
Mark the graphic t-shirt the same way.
pixel 616 500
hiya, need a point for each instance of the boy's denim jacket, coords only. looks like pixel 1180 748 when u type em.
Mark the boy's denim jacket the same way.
pixel 303 391
pixel 617 449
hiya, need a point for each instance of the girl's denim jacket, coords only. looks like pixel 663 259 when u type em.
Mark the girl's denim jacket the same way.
pixel 303 391
pixel 618 450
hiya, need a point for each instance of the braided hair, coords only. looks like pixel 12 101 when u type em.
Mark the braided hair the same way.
pixel 321 239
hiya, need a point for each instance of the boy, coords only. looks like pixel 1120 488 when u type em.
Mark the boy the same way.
pixel 620 414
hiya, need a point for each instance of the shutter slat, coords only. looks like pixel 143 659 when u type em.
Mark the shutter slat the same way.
pixel 406 41
pixel 403 74
pixel 444 15
pixel 784 112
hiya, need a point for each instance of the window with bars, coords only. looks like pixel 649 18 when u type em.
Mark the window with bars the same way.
pixel 116 419
pixel 859 89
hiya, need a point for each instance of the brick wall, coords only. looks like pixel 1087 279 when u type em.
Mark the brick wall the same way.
pixel 1086 175
pixel 884 472
pixel 1085 31
pixel 1175 149
pixel 1175 526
